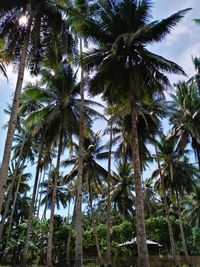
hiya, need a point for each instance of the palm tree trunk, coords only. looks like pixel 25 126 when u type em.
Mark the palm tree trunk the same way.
pixel 10 193
pixel 182 230
pixel 37 194
pixel 141 231
pixel 69 244
pixel 108 219
pixel 94 226
pixel 13 209
pixel 31 210
pixel 70 236
pixel 40 194
pixel 6 208
pixel 149 207
pixel 45 208
pixel 171 235
pixel 53 203
pixel 12 215
pixel 79 247
pixel 68 213
pixel 13 116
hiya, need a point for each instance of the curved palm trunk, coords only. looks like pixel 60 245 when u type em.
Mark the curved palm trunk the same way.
pixel 171 235
pixel 108 219
pixel 94 226
pixel 53 204
pixel 182 230
pixel 10 194
pixel 70 235
pixel 79 246
pixel 31 210
pixel 13 116
pixel 141 231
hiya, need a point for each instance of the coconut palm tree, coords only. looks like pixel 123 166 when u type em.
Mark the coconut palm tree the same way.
pixel 61 197
pixel 23 152
pixel 185 116
pixel 18 182
pixel 59 96
pixel 93 152
pixel 126 68
pixel 54 193
pixel 93 173
pixel 46 164
pixel 163 192
pixel 80 10
pixel 122 192
pixel 173 165
pixel 33 197
pixel 61 116
pixel 151 199
pixel 25 45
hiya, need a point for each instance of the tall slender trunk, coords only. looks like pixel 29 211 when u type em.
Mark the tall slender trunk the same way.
pixel 11 190
pixel 108 219
pixel 70 235
pixel 171 235
pixel 6 207
pixel 45 208
pixel 79 246
pixel 31 210
pixel 94 225
pixel 149 207
pixel 37 194
pixel 40 194
pixel 68 213
pixel 12 215
pixel 53 203
pixel 198 156
pixel 13 209
pixel 141 231
pixel 182 229
pixel 13 116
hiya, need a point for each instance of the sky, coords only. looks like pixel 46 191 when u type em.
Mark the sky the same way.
pixel 180 45
pixel 184 40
